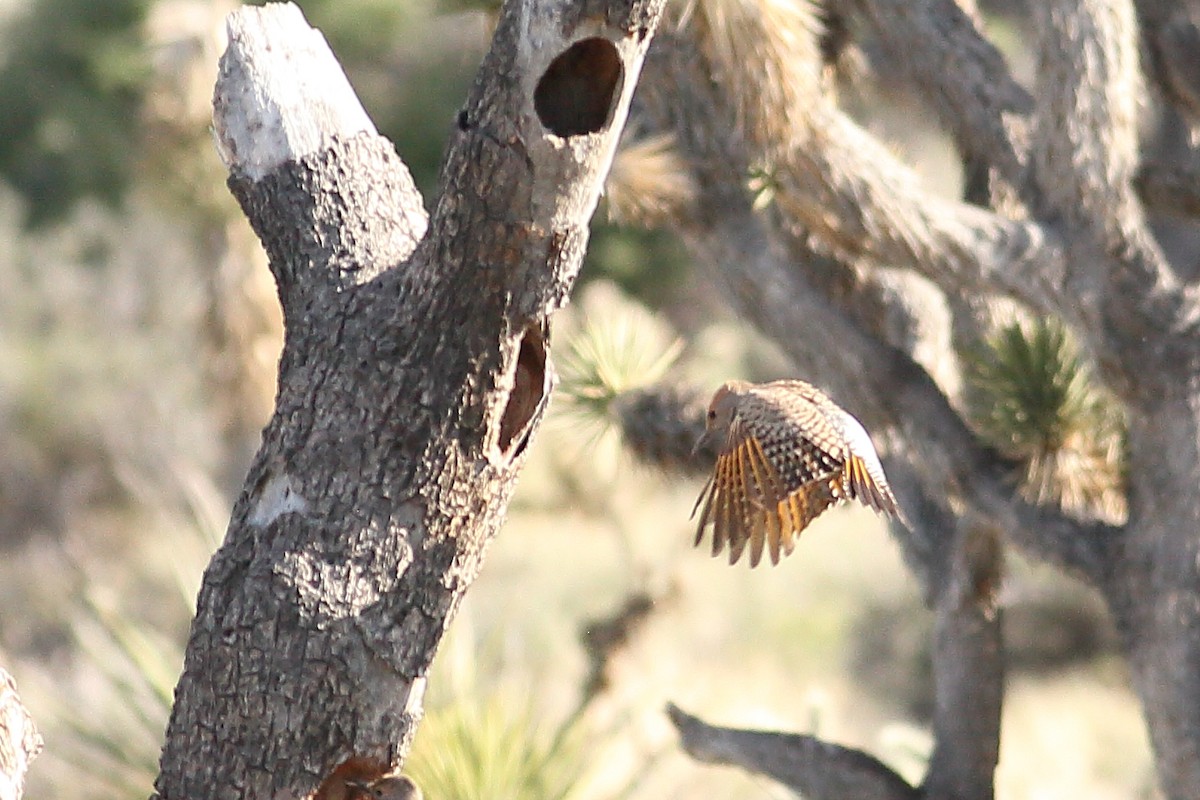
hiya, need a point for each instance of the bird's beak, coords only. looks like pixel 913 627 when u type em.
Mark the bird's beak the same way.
pixel 704 441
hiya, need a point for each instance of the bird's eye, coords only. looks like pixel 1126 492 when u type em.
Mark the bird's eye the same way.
pixel 712 414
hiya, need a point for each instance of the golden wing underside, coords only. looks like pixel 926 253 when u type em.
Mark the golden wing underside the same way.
pixel 873 493
pixel 748 504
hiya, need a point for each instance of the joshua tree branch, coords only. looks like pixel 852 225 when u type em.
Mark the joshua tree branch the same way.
pixel 968 666
pixel 846 188
pixel 861 202
pixel 765 267
pixel 964 80
pixel 1086 150
pixel 818 770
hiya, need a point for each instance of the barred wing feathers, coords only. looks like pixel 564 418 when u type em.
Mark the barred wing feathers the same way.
pixel 864 474
pixel 749 505
pixel 790 454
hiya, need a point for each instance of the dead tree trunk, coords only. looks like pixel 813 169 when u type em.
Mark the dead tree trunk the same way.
pixel 415 370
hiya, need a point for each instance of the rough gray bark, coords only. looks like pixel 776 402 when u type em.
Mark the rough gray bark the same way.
pixel 1063 232
pixel 1142 322
pixel 20 742
pixel 968 664
pixel 415 370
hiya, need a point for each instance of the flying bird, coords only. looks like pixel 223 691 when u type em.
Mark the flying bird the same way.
pixel 786 453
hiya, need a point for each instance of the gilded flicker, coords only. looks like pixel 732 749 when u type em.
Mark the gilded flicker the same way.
pixel 786 453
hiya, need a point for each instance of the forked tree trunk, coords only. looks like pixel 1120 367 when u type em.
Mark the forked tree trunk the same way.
pixel 415 369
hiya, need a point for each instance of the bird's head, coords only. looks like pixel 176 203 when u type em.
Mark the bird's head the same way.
pixel 721 411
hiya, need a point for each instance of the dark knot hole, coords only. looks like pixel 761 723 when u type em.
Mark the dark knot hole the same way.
pixel 576 93
pixel 529 387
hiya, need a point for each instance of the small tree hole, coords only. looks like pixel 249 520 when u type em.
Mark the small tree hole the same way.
pixel 576 93
pixel 529 386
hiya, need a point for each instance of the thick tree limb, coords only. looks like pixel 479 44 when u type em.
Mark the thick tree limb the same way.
pixel 968 665
pixel 1145 324
pixel 861 202
pixel 1086 143
pixel 852 194
pixel 415 370
pixel 1086 149
pixel 265 119
pixel 818 770
pixel 841 184
pixel 964 80
pixel 276 123
pixel 20 742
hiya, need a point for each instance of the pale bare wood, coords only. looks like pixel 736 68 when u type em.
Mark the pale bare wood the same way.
pixel 20 742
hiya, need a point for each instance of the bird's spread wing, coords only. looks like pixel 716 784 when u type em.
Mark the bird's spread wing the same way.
pixel 749 506
pixel 864 478
pixel 790 453
pixel 767 498
pixel 868 489
pixel 726 499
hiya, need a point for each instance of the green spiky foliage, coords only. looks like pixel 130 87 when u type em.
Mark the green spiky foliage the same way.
pixel 615 352
pixel 71 86
pixel 1031 395
pixel 487 736
pixel 117 754
pixel 496 747
pixel 626 391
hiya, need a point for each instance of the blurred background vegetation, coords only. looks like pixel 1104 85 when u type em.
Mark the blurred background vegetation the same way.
pixel 138 338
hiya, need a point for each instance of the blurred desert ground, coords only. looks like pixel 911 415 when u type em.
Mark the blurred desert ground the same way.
pixel 134 341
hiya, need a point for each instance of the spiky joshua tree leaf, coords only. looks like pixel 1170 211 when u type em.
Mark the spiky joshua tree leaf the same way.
pixel 1031 395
